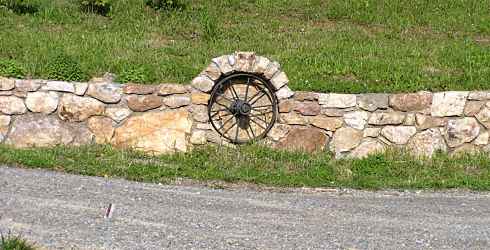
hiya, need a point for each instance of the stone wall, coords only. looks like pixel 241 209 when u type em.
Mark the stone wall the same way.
pixel 170 117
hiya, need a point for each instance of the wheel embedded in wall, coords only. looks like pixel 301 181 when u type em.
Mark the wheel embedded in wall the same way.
pixel 242 107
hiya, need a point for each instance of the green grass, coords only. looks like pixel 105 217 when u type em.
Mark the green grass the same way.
pixel 10 242
pixel 324 45
pixel 263 166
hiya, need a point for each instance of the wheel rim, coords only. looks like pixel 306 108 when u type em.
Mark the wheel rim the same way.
pixel 242 108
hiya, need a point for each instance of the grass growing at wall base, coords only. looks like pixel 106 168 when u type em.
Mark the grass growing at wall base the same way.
pixel 324 45
pixel 263 166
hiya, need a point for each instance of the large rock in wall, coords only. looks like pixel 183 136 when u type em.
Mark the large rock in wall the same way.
pixel 168 118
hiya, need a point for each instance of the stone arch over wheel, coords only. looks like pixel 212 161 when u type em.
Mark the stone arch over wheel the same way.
pixel 245 90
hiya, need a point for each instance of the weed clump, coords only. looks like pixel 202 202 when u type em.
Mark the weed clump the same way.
pixel 9 68
pixel 65 67
pixel 19 7
pixel 101 7
pixel 166 5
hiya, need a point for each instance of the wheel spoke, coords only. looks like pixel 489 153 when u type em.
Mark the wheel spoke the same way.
pixel 248 134
pixel 256 94
pixel 261 113
pixel 227 114
pixel 228 129
pixel 263 94
pixel 236 134
pixel 264 121
pixel 234 92
pixel 246 91
pixel 262 106
pixel 258 124
pixel 226 122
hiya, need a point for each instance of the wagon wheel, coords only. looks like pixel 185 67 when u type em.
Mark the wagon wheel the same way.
pixel 242 108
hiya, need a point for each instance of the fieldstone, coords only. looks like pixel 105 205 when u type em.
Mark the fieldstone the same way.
pixel 144 103
pixel 12 105
pixel 279 80
pixel 21 94
pixel 284 93
pixel 272 69
pixel 260 65
pixel 155 132
pixel 466 149
pixel 117 114
pixel 337 100
pixel 287 106
pixel 356 119
pixel 223 64
pixel 278 131
pixel 294 119
pixel 244 61
pixel 304 139
pixel 42 102
pixel 372 102
pixel 176 101
pixel 28 85
pixel 76 108
pixel 139 89
pixel 170 89
pixel 409 120
pixel 203 83
pixel 7 83
pixel 200 98
pixel 305 96
pixel 386 118
pixel 333 112
pixel 484 117
pixel 368 146
pixel 4 126
pixel 204 126
pixel 102 128
pixel 398 134
pixel 6 93
pixel 198 137
pixel 411 101
pixel 473 107
pixel 80 88
pixel 200 113
pixel 372 132
pixel 308 108
pixel 105 92
pixel 328 123
pixel 479 95
pixel 448 103
pixel 425 122
pixel 345 139
pixel 39 130
pixel 59 86
pixel 482 138
pixel 460 131
pixel 426 143
pixel 212 71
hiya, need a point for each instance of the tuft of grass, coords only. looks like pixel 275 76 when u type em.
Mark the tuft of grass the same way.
pixel 324 45
pixel 101 7
pixel 65 67
pixel 11 242
pixel 20 7
pixel 10 68
pixel 263 166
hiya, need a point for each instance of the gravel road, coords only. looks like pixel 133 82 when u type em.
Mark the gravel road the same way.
pixel 61 211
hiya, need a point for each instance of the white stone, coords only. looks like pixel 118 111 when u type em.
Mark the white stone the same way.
pixel 284 93
pixel 223 64
pixel 398 134
pixel 198 137
pixel 367 147
pixel 460 131
pixel 279 80
pixel 337 100
pixel 12 105
pixel 356 119
pixel 203 83
pixel 448 103
pixel 117 114
pixel 80 88
pixel 42 102
pixel 59 86
pixel 105 92
pixel 372 132
pixel 426 143
pixel 482 139
pixel 345 139
pixel 7 83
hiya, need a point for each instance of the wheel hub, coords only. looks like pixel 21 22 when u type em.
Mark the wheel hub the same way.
pixel 241 108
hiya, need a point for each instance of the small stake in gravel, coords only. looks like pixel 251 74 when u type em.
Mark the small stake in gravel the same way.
pixel 109 211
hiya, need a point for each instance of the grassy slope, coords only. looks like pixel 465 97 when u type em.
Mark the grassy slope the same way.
pixel 324 45
pixel 255 164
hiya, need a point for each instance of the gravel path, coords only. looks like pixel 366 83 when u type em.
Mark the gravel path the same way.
pixel 60 211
